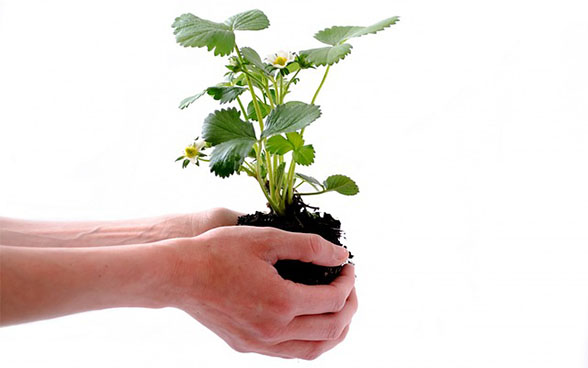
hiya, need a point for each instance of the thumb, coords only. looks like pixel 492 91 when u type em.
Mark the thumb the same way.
pixel 304 247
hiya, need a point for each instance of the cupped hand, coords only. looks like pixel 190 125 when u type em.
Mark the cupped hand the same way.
pixel 194 224
pixel 225 279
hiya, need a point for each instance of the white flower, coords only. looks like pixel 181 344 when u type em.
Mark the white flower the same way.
pixel 192 152
pixel 280 59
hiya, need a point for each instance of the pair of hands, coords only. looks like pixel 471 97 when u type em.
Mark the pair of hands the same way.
pixel 227 282
pixel 219 273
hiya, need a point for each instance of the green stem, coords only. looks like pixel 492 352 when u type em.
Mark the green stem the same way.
pixel 255 104
pixel 290 182
pixel 281 87
pixel 290 81
pixel 269 95
pixel 248 171
pixel 320 85
pixel 260 180
pixel 243 109
pixel 276 91
pixel 270 173
pixel 314 193
pixel 317 91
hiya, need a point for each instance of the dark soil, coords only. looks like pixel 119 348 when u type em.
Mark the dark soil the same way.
pixel 300 219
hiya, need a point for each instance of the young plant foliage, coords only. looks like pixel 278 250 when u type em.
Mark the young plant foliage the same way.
pixel 261 133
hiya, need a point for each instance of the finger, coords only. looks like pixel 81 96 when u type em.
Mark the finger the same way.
pixel 308 350
pixel 304 247
pixel 319 299
pixel 328 326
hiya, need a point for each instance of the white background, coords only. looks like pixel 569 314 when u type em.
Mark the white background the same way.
pixel 465 125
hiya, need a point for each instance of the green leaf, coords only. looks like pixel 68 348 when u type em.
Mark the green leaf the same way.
pixel 310 180
pixel 188 100
pixel 279 145
pixel 296 139
pixel 341 184
pixel 228 156
pixel 304 155
pixel 185 163
pixel 290 117
pixel 263 107
pixel 225 94
pixel 327 55
pixel 338 35
pixel 225 125
pixel 179 158
pixel 253 57
pixel 252 20
pixel 191 31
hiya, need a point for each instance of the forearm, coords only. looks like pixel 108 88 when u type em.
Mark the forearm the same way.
pixel 40 283
pixel 92 233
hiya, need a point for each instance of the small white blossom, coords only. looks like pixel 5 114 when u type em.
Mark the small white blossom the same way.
pixel 193 151
pixel 280 59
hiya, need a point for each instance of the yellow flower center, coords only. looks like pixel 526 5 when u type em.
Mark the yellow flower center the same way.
pixel 280 60
pixel 191 152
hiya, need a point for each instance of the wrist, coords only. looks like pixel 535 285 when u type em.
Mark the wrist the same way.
pixel 153 278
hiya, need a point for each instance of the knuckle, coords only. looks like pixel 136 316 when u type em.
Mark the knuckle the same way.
pixel 280 306
pixel 333 331
pixel 265 235
pixel 339 303
pixel 239 349
pixel 314 243
pixel 267 332
pixel 219 214
pixel 311 353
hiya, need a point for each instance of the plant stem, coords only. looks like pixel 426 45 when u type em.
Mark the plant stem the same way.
pixel 269 95
pixel 317 91
pixel 243 109
pixel 276 92
pixel 270 173
pixel 272 203
pixel 255 104
pixel 320 85
pixel 314 193
pixel 290 81
pixel 290 182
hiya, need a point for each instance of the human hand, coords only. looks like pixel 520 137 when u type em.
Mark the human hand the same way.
pixel 225 279
pixel 197 223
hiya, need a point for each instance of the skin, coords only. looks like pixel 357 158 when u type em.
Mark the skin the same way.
pixel 221 275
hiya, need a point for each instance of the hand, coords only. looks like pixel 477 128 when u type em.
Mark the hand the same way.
pixel 195 224
pixel 81 234
pixel 226 280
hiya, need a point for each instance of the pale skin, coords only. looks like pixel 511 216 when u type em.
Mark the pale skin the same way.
pixel 221 275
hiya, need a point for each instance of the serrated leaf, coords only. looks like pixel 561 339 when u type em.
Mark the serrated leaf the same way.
pixel 192 31
pixel 341 184
pixel 263 107
pixel 296 139
pixel 188 100
pixel 251 20
pixel 277 144
pixel 304 155
pixel 338 35
pixel 225 125
pixel 253 57
pixel 310 180
pixel 228 156
pixel 290 117
pixel 327 55
pixel 225 94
